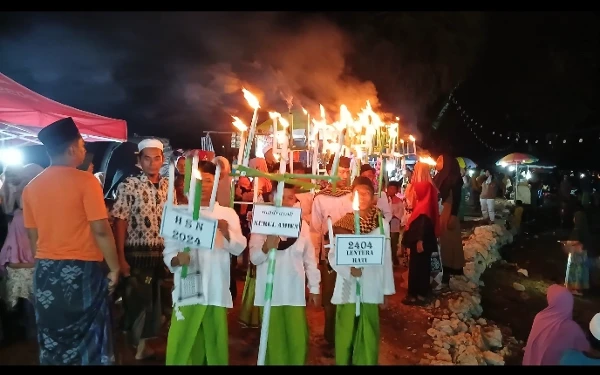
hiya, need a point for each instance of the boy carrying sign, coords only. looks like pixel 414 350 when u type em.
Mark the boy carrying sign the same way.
pixel 295 262
pixel 357 338
pixel 198 333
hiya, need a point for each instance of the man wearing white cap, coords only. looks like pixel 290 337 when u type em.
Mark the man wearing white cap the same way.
pixel 269 157
pixel 574 357
pixel 137 211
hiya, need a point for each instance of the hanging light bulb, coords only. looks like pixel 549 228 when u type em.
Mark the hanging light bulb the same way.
pixel 564 141
pixel 536 141
pixel 526 141
pixel 549 142
pixel 580 140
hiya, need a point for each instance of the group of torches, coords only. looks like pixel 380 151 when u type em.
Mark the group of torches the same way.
pixel 354 137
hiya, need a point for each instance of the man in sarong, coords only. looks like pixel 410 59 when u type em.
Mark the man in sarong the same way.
pixel 198 333
pixel 67 226
pixel 137 212
pixel 328 203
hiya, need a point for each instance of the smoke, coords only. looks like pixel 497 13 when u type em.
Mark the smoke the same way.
pixel 303 63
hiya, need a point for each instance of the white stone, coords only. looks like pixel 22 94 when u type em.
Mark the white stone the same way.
pixel 523 272
pixel 493 359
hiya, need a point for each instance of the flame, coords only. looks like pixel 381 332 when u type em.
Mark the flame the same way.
pixel 397 118
pixel 427 160
pixel 284 122
pixel 276 156
pixel 322 111
pixel 411 138
pixel 196 173
pixel 355 205
pixel 251 99
pixel 305 111
pixel 402 141
pixel 345 116
pixel 239 124
pixel 274 115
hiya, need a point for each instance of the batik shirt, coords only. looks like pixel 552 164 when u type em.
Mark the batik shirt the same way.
pixel 140 203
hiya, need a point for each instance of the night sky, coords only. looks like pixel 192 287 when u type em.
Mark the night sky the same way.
pixel 532 75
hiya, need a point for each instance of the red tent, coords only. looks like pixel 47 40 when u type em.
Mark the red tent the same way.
pixel 23 113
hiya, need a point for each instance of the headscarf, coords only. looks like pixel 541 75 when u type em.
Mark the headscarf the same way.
pixel 426 204
pixel 224 183
pixel 11 195
pixel 448 177
pixel 554 331
pixel 581 230
pixel 421 173
pixel 264 184
pixel 449 180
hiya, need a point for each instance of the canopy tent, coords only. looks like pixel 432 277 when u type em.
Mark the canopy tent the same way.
pixel 23 113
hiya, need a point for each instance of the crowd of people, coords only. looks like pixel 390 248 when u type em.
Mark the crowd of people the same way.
pixel 69 255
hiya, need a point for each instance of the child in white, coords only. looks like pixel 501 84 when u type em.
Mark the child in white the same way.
pixel 295 263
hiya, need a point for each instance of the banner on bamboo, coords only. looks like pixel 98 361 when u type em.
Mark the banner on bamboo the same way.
pixel 359 250
pixel 179 225
pixel 276 221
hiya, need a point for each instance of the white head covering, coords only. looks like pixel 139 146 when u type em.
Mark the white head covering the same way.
pixel 150 143
pixel 595 326
pixel 267 148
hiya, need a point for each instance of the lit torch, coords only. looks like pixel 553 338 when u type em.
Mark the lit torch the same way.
pixel 253 103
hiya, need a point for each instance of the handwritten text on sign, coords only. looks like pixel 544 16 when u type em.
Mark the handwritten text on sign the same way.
pixel 353 250
pixel 276 221
pixel 178 224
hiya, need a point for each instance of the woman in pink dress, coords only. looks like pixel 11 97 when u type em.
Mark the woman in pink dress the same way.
pixel 16 257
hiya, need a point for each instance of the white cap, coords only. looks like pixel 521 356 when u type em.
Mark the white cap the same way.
pixel 267 148
pixel 150 143
pixel 595 326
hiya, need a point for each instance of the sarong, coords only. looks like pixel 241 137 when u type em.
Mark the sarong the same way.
pixel 200 338
pixel 142 302
pixel 73 313
pixel 288 336
pixel 357 338
pixel 250 316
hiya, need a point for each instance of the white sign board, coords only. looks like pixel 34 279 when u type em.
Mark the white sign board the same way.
pixel 178 224
pixel 276 221
pixel 359 250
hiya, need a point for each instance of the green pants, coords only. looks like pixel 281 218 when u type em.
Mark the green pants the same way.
pixel 357 338
pixel 328 285
pixel 201 338
pixel 288 336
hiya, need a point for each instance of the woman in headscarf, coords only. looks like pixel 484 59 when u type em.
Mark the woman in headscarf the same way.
pixel 16 255
pixel 420 238
pixel 421 173
pixel 449 183
pixel 554 331
pixel 578 271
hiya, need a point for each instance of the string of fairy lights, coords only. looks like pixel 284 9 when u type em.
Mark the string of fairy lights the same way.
pixel 576 136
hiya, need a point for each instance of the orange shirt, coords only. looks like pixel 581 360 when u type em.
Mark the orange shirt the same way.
pixel 60 203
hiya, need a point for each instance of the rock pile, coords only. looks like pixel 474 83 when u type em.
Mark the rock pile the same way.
pixel 460 335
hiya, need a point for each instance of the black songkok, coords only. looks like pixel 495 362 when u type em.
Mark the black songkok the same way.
pixel 344 162
pixel 59 133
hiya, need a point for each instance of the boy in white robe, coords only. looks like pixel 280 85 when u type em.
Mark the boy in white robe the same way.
pixel 334 204
pixel 198 334
pixel 295 263
pixel 357 339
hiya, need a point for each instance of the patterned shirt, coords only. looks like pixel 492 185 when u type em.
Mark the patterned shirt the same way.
pixel 140 203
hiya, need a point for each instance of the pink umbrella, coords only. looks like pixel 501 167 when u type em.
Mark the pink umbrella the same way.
pixel 517 158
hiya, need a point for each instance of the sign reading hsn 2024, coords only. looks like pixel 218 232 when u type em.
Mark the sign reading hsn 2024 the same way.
pixel 276 221
pixel 359 250
pixel 179 225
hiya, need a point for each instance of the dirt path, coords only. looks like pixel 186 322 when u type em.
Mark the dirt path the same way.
pixel 543 258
